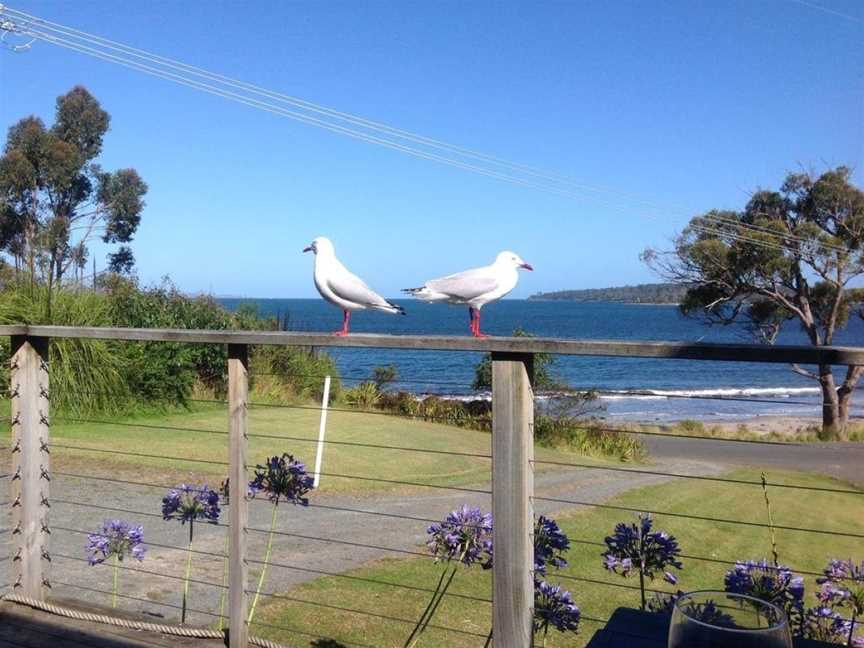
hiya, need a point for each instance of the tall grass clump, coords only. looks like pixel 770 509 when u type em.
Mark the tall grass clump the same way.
pixel 293 373
pixel 85 375
pixel 587 437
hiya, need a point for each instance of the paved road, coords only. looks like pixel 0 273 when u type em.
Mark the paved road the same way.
pixel 296 558
pixel 841 460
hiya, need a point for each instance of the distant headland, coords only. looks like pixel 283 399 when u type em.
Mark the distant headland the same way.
pixel 656 293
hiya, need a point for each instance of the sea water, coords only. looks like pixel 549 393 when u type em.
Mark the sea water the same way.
pixel 678 389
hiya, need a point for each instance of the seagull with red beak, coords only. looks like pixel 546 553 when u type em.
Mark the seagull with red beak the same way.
pixel 340 287
pixel 474 288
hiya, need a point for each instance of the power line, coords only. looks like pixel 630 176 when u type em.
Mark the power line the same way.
pixel 60 32
pixel 833 12
pixel 330 112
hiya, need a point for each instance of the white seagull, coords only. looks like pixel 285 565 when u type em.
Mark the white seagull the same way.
pixel 476 287
pixel 341 287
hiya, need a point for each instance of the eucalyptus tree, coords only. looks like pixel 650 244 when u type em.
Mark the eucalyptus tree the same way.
pixel 789 257
pixel 55 198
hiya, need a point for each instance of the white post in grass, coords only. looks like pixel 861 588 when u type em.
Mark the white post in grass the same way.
pixel 319 455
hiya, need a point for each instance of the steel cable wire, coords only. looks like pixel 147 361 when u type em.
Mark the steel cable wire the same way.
pixel 373 581
pixel 142 571
pixel 688 516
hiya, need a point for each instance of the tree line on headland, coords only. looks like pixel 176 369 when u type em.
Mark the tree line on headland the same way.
pixel 653 293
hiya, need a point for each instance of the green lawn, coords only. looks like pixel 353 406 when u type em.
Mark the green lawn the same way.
pixel 711 540
pixel 277 423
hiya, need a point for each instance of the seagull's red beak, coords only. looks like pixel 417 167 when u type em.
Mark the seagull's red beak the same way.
pixel 308 249
pixel 527 266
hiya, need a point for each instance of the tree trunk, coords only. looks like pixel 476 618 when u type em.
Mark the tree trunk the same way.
pixel 844 397
pixel 832 426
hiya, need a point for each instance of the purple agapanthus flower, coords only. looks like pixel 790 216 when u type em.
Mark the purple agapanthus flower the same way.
pixel 843 586
pixel 554 607
pixel 190 503
pixel 550 543
pixel 116 538
pixel 282 478
pixel 821 623
pixel 464 535
pixel 636 547
pixel 774 584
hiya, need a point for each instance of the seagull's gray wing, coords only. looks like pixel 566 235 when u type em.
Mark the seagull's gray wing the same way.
pixel 351 288
pixel 465 285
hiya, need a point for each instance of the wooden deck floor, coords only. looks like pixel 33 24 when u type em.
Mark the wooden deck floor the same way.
pixel 23 627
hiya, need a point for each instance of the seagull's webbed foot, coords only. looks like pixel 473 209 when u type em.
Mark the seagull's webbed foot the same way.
pixel 346 319
pixel 475 325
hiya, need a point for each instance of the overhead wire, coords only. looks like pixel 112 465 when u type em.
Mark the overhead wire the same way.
pixel 60 35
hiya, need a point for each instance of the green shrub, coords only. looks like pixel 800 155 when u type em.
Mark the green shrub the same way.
pixel 587 437
pixel 545 378
pixel 364 396
pixel 689 426
pixel 383 376
pixel 114 376
pixel 289 373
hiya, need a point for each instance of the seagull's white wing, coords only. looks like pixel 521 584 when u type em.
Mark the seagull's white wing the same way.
pixel 465 285
pixel 350 287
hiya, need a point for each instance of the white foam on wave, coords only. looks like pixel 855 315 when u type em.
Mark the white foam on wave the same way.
pixel 721 392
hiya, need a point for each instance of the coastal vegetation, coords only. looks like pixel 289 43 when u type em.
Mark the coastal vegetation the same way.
pixel 789 257
pixel 653 293
pixel 107 378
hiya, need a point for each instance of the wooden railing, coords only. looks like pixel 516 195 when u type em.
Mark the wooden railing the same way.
pixel 512 440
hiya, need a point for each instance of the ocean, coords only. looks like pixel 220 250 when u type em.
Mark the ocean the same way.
pixel 679 389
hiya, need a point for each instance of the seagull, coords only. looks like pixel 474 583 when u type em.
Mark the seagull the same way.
pixel 476 287
pixel 340 287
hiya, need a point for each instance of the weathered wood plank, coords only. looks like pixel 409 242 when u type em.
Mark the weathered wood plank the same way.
pixel 785 354
pixel 512 509
pixel 238 396
pixel 30 482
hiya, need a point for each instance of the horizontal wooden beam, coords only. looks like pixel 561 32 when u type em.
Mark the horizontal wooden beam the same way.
pixel 616 348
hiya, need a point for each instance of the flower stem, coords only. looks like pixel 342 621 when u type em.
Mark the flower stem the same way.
pixel 440 591
pixel 114 591
pixel 771 534
pixel 642 588
pixel 224 584
pixel 851 630
pixel 188 573
pixel 266 560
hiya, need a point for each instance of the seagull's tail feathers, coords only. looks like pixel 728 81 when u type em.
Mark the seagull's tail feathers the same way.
pixel 390 307
pixel 426 294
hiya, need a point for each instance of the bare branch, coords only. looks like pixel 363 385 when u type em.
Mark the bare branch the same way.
pixel 803 372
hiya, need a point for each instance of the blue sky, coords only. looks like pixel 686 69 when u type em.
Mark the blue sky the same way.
pixel 688 105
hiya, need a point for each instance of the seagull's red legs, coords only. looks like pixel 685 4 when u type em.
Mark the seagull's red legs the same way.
pixel 346 318
pixel 471 319
pixel 476 329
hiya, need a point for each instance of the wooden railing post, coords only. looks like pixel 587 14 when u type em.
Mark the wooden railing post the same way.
pixel 30 467
pixel 512 492
pixel 238 394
